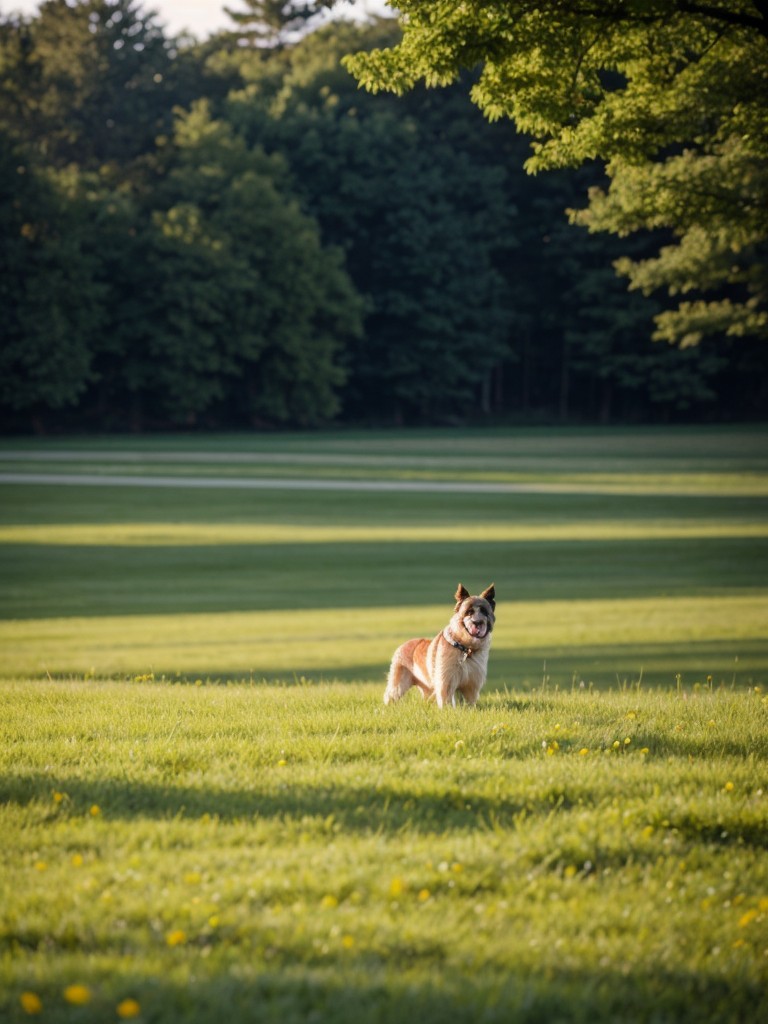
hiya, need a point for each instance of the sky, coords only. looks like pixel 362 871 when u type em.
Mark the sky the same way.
pixel 201 17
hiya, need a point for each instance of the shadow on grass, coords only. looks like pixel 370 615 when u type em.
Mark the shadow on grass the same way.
pixel 364 987
pixel 365 811
pixel 43 581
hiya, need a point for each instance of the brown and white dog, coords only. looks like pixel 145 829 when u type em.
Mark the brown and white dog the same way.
pixel 455 661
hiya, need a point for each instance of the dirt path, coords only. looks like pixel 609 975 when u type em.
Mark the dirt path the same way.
pixel 294 484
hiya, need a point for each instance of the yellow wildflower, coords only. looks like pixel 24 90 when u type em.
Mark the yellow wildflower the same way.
pixel 177 937
pixel 30 1003
pixel 128 1008
pixel 77 995
pixel 396 887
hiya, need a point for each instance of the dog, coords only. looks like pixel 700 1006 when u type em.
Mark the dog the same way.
pixel 455 661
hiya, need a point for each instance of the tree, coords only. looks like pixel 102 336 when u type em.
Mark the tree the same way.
pixel 271 23
pixel 89 82
pixel 421 218
pixel 241 308
pixel 49 299
pixel 671 95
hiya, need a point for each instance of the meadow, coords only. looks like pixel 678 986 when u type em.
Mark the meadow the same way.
pixel 205 807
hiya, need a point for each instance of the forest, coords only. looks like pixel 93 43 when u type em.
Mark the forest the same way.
pixel 231 233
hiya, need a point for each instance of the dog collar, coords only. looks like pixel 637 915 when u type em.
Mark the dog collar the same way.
pixel 467 651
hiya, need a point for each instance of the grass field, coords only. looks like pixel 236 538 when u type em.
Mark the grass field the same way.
pixel 205 808
pixel 652 563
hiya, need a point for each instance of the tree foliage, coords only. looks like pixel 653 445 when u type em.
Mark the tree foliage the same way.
pixel 271 23
pixel 672 96
pixel 422 219
pixel 223 234
pixel 49 304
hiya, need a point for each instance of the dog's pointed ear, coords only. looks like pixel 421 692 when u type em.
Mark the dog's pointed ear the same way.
pixel 490 595
pixel 461 594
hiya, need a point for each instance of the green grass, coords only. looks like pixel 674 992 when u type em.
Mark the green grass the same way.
pixel 181 581
pixel 301 853
pixel 588 845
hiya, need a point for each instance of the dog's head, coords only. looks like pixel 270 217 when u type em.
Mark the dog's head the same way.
pixel 475 615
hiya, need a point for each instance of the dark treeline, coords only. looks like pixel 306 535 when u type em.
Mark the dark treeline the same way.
pixel 232 234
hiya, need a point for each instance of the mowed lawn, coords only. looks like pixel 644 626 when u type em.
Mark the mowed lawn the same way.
pixel 652 562
pixel 206 809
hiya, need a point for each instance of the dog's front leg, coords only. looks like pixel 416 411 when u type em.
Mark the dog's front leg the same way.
pixel 445 693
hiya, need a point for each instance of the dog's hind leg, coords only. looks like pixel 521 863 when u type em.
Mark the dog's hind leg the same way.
pixel 400 680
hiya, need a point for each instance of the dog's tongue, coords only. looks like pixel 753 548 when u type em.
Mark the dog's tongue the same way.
pixel 476 629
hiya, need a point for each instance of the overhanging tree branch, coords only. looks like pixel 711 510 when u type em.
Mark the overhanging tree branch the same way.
pixel 741 18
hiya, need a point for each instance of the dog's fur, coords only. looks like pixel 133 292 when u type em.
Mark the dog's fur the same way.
pixel 455 661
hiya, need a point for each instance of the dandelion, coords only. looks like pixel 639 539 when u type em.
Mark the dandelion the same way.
pixel 214 921
pixel 128 1008
pixel 570 871
pixel 347 941
pixel 77 860
pixel 58 797
pixel 396 887
pixel 457 868
pixel 77 995
pixel 424 895
pixel 747 919
pixel 728 787
pixel 616 744
pixel 627 740
pixel 40 865
pixel 31 1003
pixel 282 763
pixel 95 810
pixel 644 751
pixel 329 902
pixel 177 937
pixel 584 751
